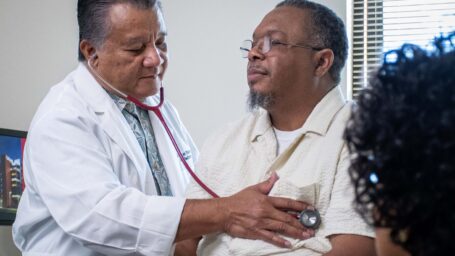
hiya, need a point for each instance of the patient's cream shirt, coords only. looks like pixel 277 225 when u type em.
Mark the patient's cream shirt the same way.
pixel 312 169
pixel 284 139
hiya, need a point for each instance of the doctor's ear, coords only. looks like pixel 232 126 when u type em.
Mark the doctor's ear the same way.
pixel 88 50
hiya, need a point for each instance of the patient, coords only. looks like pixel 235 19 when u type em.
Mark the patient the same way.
pixel 296 129
pixel 401 137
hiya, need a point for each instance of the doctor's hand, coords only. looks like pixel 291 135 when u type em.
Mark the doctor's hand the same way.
pixel 252 214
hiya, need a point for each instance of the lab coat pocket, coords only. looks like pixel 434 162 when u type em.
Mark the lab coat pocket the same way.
pixel 126 170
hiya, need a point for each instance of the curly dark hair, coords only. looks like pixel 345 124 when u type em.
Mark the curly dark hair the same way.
pixel 401 137
pixel 328 31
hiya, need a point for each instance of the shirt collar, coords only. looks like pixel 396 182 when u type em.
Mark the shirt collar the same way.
pixel 318 121
pixel 119 101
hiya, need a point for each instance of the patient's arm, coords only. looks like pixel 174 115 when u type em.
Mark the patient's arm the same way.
pixel 351 245
pixel 187 247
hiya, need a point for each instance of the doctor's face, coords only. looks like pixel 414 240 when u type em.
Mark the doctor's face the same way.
pixel 133 57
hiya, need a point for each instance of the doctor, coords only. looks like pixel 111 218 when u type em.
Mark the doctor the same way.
pixel 102 177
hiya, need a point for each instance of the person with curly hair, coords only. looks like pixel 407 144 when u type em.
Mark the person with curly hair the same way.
pixel 401 137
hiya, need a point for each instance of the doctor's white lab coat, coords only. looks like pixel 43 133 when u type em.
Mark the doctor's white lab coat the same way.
pixel 89 188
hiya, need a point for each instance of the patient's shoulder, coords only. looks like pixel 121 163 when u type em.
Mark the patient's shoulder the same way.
pixel 239 131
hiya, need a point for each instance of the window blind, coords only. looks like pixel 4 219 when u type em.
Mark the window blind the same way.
pixel 382 25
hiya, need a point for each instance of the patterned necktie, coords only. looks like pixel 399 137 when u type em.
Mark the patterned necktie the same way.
pixel 140 124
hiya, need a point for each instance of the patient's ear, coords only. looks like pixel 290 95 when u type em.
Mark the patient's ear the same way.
pixel 323 60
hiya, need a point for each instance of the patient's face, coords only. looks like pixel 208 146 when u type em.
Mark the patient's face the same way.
pixel 284 72
pixel 385 247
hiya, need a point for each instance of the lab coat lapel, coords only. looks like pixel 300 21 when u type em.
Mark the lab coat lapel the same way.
pixel 113 123
pixel 124 137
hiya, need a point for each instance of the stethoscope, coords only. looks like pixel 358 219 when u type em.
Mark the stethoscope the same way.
pixel 309 218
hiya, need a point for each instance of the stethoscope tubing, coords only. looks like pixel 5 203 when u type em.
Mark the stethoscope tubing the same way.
pixel 304 216
pixel 156 110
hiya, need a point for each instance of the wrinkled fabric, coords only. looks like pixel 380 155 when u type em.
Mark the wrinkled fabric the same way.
pixel 313 169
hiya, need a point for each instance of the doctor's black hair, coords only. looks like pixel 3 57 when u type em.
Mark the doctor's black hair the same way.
pixel 401 137
pixel 93 22
pixel 327 31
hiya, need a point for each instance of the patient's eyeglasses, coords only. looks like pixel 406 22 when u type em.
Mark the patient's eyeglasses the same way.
pixel 266 44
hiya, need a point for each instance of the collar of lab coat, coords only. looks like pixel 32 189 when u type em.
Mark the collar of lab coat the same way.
pixel 111 116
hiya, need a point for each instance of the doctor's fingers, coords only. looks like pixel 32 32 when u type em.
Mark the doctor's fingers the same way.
pixel 286 224
pixel 287 204
pixel 279 222
pixel 286 229
pixel 257 233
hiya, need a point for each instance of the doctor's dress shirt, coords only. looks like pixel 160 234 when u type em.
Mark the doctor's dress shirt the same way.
pixel 139 121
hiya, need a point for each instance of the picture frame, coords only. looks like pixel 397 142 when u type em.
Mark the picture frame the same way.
pixel 12 144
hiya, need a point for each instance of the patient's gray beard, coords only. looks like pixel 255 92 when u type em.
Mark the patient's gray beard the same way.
pixel 256 99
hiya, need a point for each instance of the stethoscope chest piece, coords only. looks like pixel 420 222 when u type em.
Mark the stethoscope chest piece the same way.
pixel 310 218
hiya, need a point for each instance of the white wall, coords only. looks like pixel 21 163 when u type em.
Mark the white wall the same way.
pixel 37 48
pixel 206 79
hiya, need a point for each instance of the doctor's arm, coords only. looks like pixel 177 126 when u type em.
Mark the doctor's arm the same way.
pixel 73 172
pixel 248 214
pixel 187 247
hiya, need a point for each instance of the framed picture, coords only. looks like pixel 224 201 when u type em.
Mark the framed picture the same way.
pixel 11 173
